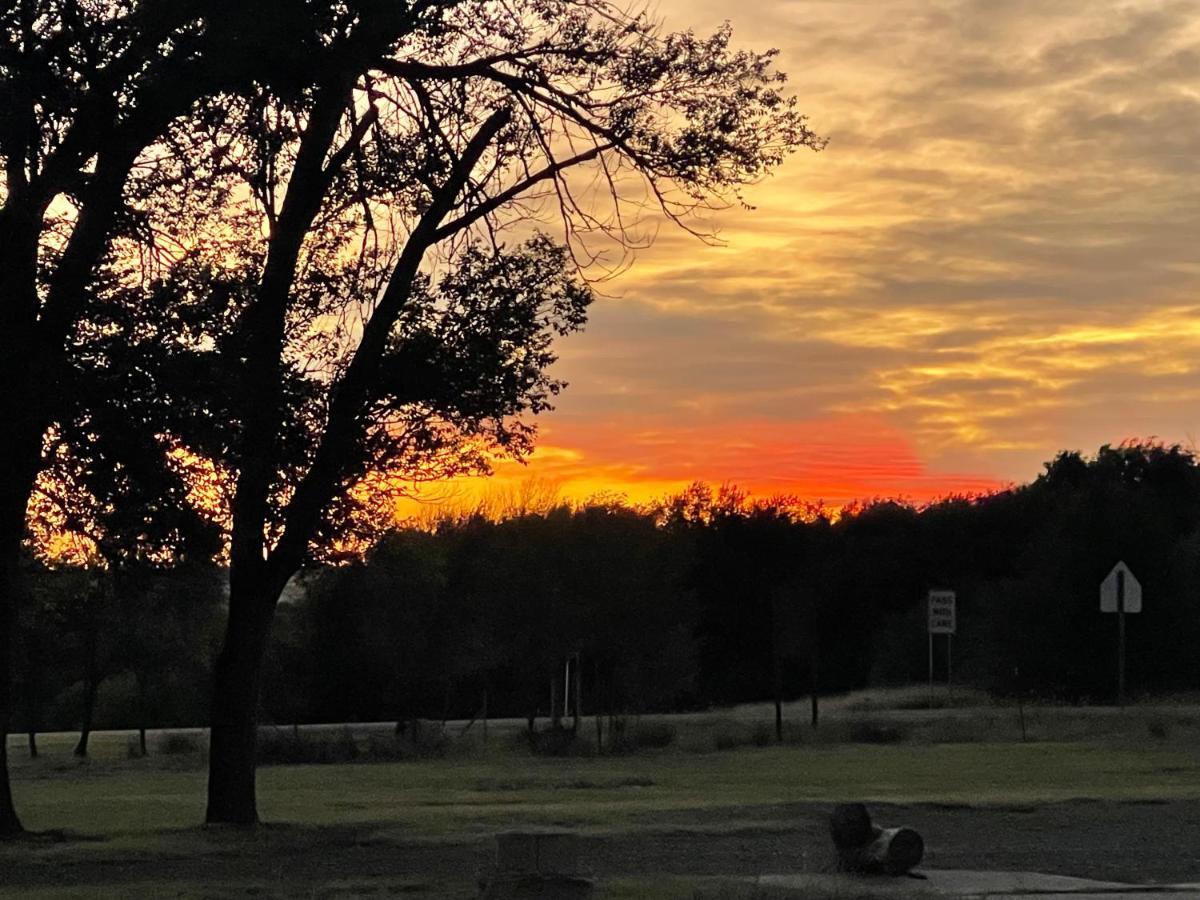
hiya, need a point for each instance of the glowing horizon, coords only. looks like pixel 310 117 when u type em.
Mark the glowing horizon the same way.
pixel 833 462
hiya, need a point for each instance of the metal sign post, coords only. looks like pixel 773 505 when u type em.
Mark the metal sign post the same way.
pixel 931 670
pixel 1121 593
pixel 950 669
pixel 942 620
pixel 1120 638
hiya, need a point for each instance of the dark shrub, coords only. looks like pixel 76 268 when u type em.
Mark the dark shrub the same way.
pixel 877 733
pixel 764 735
pixel 729 736
pixel 654 735
pixel 556 742
pixel 289 748
pixel 427 743
pixel 641 736
pixel 175 744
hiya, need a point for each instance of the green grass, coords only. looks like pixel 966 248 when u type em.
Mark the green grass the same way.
pixel 470 796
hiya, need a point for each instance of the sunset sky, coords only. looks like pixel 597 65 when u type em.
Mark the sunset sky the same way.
pixel 995 258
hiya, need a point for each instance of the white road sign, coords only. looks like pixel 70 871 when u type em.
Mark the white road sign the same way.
pixel 1120 583
pixel 942 619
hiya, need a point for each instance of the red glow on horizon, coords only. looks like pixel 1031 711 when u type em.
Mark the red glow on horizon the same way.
pixel 833 461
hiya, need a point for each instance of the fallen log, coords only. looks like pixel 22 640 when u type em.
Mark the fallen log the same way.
pixel 868 849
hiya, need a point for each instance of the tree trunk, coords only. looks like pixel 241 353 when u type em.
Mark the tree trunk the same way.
pixel 32 710
pixel 20 455
pixel 485 711
pixel 599 715
pixel 257 574
pixel 814 684
pixel 402 705
pixel 777 687
pixel 141 686
pixel 234 736
pixel 85 729
pixel 612 704
pixel 237 680
pixel 91 684
pixel 577 671
pixel 10 823
pixel 555 718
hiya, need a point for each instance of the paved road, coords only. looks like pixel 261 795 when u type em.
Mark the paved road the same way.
pixel 966 883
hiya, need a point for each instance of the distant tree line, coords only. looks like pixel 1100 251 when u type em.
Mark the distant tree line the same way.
pixel 706 599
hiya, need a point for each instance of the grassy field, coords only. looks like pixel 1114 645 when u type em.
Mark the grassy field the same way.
pixel 479 795
pixel 421 826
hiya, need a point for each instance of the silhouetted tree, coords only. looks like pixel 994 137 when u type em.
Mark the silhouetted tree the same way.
pixel 392 609
pixel 436 128
pixel 110 482
pixel 87 92
pixel 167 632
pixel 45 664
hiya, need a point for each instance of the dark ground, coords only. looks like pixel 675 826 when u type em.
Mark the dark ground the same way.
pixel 1107 840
